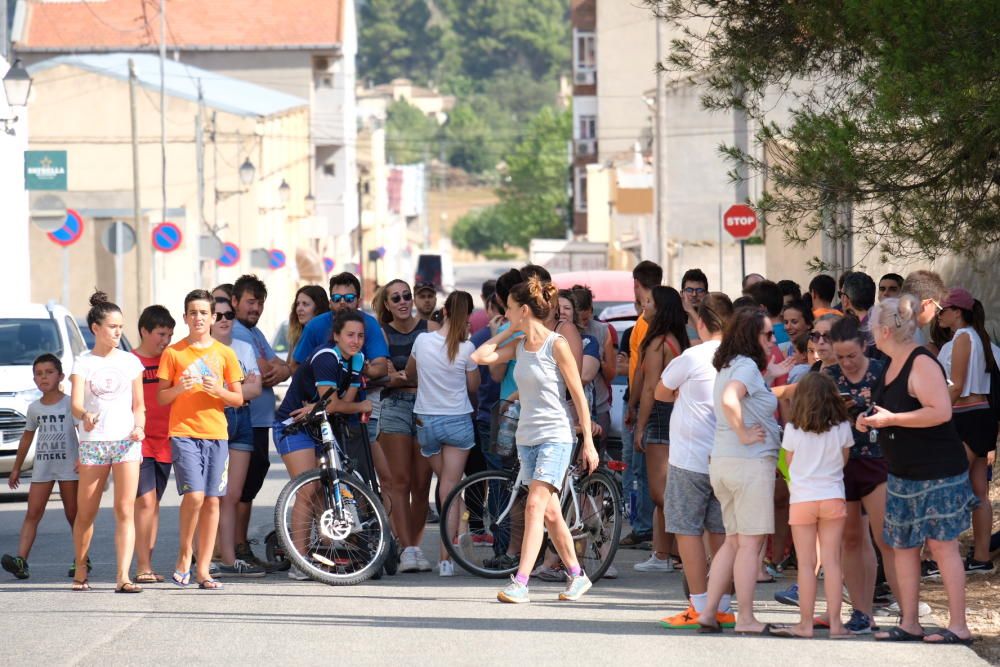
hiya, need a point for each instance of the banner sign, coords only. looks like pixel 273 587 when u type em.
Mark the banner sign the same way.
pixel 45 170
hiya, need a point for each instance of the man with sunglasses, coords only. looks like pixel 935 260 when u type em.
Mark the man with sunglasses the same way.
pixel 249 295
pixel 929 288
pixel 345 290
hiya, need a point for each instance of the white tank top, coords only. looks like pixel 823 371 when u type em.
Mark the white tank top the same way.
pixel 541 391
pixel 977 378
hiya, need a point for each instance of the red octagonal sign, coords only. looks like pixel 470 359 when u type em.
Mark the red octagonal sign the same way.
pixel 740 221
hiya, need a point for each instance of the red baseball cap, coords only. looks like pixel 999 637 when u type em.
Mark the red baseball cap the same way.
pixel 958 297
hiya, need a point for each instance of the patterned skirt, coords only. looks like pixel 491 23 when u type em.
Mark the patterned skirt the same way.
pixel 939 509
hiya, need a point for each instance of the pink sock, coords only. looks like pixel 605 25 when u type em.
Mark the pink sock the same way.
pixel 521 579
pixel 575 571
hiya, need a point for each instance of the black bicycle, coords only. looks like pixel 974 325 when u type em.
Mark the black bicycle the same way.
pixel 329 522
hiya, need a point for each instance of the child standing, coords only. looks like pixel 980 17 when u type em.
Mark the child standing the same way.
pixel 56 451
pixel 817 444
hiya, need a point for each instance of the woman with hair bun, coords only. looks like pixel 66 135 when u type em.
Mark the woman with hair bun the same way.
pixel 929 498
pixel 107 399
pixel 544 371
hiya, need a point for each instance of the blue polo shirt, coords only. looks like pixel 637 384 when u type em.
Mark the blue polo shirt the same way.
pixel 318 331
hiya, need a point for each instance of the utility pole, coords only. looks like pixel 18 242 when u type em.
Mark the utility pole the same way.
pixel 163 107
pixel 142 284
pixel 741 139
pixel 662 236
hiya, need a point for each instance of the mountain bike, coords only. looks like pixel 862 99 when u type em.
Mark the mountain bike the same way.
pixel 490 506
pixel 329 522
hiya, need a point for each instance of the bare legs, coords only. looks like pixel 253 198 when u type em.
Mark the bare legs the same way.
pixel 695 559
pixel 89 491
pixel 737 561
pixel 449 466
pixel 38 497
pixel 239 464
pixel 542 511
pixel 830 532
pixel 657 457
pixel 982 516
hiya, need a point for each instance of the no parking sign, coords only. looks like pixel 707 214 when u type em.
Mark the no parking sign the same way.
pixel 70 232
pixel 276 259
pixel 167 237
pixel 230 255
pixel 328 264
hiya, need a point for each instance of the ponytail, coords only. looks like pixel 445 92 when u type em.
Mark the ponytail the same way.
pixel 979 324
pixel 457 308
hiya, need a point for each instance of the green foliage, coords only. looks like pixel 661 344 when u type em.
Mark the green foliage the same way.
pixel 533 197
pixel 895 112
pixel 398 39
pixel 410 135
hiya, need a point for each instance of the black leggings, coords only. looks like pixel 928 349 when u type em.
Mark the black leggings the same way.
pixel 260 461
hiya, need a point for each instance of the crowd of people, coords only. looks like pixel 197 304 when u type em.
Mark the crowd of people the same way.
pixel 825 429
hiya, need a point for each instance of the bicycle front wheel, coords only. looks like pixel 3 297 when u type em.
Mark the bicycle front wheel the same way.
pixel 336 547
pixel 482 522
pixel 595 523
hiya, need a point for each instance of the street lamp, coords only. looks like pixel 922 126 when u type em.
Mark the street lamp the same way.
pixel 247 172
pixel 17 85
pixel 284 191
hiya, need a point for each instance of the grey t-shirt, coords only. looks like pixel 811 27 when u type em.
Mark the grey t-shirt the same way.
pixel 758 405
pixel 56 444
pixel 602 392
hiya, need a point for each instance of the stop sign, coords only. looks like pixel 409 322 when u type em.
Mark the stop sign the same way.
pixel 740 221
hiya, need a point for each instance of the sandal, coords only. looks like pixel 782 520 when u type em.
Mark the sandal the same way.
pixel 181 579
pixel 898 634
pixel 763 632
pixel 709 629
pixel 948 637
pixel 148 578
pixel 128 587
pixel 210 584
pixel 80 586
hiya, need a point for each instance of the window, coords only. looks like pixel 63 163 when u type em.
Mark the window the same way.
pixel 585 51
pixel 21 340
pixel 330 170
pixel 587 127
pixel 580 190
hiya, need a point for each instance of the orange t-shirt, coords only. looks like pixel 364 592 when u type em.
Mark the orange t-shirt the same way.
pixel 820 312
pixel 196 413
pixel 634 344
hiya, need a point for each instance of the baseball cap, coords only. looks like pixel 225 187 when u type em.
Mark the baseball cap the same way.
pixel 421 286
pixel 958 297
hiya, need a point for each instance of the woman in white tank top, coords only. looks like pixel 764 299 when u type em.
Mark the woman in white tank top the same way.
pixel 545 369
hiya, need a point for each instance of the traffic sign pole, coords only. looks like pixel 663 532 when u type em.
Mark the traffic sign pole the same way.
pixel 743 258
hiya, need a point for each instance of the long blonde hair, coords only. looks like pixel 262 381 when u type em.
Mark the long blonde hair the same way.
pixel 457 308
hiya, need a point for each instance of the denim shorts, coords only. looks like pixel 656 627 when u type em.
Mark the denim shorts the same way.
pixel 293 442
pixel 915 510
pixel 547 462
pixel 658 426
pixel 240 430
pixel 200 466
pixel 437 431
pixel 396 417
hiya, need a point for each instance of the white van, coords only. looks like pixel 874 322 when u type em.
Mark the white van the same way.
pixel 27 331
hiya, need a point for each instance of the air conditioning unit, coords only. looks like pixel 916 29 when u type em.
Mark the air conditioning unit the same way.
pixel 586 147
pixel 585 78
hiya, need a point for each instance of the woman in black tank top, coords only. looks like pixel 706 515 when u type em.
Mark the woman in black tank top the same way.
pixel 929 497
pixel 410 473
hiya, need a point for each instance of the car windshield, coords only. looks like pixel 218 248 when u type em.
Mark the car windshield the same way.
pixel 22 340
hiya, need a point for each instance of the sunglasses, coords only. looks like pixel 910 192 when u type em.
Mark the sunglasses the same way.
pixel 817 336
pixel 405 296
pixel 694 290
pixel 346 298
pixel 937 305
pixel 228 315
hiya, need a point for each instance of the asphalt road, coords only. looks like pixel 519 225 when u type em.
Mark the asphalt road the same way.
pixel 412 619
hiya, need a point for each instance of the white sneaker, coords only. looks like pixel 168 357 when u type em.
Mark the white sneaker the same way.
pixel 296 574
pixel 923 609
pixel 408 560
pixel 446 568
pixel 654 564
pixel 423 565
pixel 611 572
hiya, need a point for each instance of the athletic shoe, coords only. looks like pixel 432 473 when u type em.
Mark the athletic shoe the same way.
pixel 408 560
pixel 214 568
pixel 501 562
pixel 446 568
pixel 576 587
pixel 295 574
pixel 514 593
pixel 423 565
pixel 635 540
pixel 883 595
pixel 15 565
pixel 725 619
pixel 923 609
pixel 860 623
pixel 973 566
pixel 845 596
pixel 72 568
pixel 545 573
pixel 772 570
pixel 240 568
pixel 654 564
pixel 686 620
pixel 789 596
pixel 482 539
pixel 929 570
pixel 245 552
pixel 432 515
pixel 611 572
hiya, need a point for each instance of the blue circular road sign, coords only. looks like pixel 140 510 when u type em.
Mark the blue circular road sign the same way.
pixel 230 255
pixel 167 237
pixel 276 259
pixel 70 232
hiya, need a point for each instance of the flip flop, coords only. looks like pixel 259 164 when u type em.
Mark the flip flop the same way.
pixel 769 580
pixel 709 629
pixel 765 632
pixel 148 578
pixel 948 637
pixel 210 584
pixel 128 587
pixel 898 634
pixel 81 586
pixel 786 632
pixel 181 579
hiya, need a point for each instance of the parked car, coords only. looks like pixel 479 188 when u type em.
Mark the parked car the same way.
pixel 621 316
pixel 27 331
pixel 88 336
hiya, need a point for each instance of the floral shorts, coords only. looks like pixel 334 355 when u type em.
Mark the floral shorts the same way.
pixel 109 452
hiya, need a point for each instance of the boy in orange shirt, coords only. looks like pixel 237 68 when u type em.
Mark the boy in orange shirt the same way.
pixel 199 377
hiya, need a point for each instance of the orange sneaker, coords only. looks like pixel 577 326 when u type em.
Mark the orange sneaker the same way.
pixel 686 620
pixel 726 619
